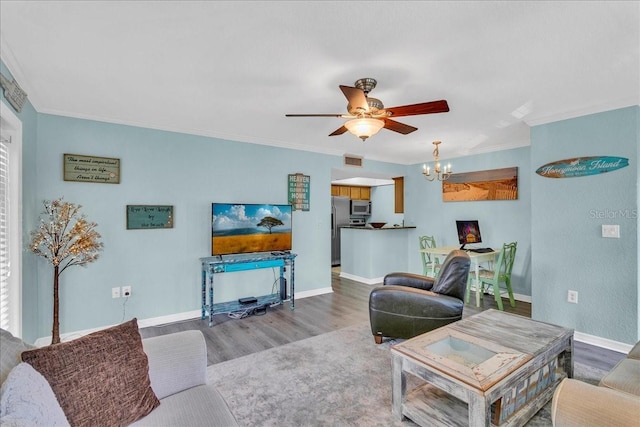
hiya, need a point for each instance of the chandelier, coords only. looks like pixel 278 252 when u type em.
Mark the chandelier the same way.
pixel 364 127
pixel 439 174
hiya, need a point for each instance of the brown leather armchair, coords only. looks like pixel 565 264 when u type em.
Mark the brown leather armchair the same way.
pixel 409 304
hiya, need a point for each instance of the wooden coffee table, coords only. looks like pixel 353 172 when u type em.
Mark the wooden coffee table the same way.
pixel 493 368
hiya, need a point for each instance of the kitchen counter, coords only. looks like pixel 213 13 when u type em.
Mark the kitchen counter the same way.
pixel 367 257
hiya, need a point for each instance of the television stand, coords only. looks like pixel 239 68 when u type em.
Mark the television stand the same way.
pixel 242 262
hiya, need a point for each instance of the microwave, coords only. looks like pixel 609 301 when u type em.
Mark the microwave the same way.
pixel 360 207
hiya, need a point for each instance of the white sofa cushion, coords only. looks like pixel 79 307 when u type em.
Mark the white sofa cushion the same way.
pixel 26 399
pixel 177 362
pixel 625 377
pixel 580 404
pixel 11 347
pixel 635 352
pixel 200 406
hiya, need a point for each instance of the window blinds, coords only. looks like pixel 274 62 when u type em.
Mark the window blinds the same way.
pixel 5 254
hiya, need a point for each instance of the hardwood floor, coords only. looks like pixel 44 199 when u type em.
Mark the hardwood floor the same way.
pixel 348 305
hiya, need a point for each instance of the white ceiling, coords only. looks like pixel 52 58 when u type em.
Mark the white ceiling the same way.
pixel 233 70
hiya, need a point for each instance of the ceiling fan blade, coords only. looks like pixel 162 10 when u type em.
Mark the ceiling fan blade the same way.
pixel 416 109
pixel 313 115
pixel 356 98
pixel 338 131
pixel 398 127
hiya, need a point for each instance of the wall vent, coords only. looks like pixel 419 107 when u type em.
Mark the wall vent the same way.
pixel 353 161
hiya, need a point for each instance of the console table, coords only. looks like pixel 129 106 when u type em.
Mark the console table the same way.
pixel 241 262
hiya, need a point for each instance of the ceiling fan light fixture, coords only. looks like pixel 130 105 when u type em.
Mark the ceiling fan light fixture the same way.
pixel 365 127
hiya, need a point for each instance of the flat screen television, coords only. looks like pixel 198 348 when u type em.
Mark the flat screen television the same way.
pixel 238 228
pixel 468 232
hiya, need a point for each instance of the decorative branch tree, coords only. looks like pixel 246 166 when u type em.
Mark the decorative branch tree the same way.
pixel 64 238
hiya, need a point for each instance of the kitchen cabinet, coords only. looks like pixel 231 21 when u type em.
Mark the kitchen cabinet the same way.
pixel 352 192
pixel 365 193
pixel 355 193
pixel 399 194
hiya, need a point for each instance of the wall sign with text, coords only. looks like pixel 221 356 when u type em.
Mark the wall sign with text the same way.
pixel 103 170
pixel 149 216
pixel 299 187
pixel 582 166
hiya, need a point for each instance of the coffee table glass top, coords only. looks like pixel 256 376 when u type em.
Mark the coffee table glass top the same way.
pixel 476 362
pixel 461 351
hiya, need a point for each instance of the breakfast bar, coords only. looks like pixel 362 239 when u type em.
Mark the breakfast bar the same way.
pixel 368 254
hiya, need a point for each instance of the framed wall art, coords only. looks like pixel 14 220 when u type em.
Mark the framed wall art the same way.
pixel 299 186
pixel 149 216
pixel 494 184
pixel 102 170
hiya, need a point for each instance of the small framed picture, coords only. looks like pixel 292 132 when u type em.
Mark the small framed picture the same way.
pixel 149 216
pixel 100 170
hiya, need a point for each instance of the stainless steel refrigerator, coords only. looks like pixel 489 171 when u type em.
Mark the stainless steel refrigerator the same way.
pixel 340 212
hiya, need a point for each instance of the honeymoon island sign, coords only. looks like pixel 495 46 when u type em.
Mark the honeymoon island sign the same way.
pixel 582 166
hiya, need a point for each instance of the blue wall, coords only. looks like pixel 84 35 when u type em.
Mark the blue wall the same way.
pixel 556 222
pixel 500 221
pixel 383 205
pixel 188 172
pixel 567 215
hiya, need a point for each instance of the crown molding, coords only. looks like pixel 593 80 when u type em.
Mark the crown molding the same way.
pixel 593 109
pixel 12 64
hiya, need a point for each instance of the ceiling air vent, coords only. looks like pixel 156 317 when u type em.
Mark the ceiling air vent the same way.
pixel 352 161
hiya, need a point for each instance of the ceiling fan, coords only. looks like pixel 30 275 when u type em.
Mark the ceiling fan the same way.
pixel 367 115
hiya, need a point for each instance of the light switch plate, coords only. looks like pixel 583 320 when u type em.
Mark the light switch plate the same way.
pixel 611 231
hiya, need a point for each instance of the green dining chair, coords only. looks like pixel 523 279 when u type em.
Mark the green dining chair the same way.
pixel 500 274
pixel 429 265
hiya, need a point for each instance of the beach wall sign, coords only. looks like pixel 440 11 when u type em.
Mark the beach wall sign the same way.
pixel 582 166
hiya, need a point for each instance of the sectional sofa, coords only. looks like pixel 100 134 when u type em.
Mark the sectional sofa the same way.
pixel 614 402
pixel 111 377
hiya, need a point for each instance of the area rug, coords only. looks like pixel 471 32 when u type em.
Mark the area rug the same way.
pixel 341 378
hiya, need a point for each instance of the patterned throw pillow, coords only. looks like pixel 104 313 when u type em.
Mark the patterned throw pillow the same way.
pixel 99 379
pixel 26 399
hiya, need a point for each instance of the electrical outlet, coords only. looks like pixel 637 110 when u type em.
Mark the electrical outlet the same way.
pixel 572 297
pixel 115 292
pixel 611 231
pixel 126 291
